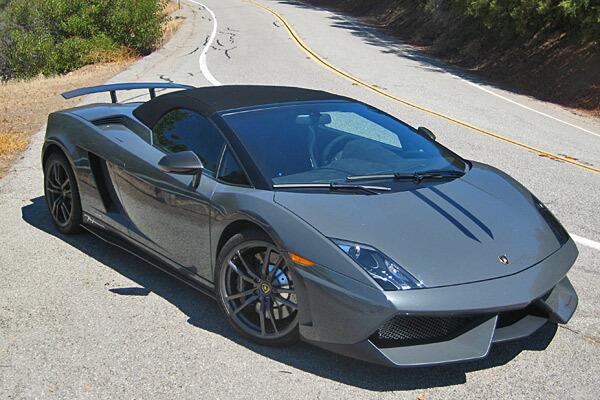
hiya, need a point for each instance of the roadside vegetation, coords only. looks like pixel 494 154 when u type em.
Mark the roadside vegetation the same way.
pixel 55 37
pixel 49 47
pixel 547 48
pixel 510 20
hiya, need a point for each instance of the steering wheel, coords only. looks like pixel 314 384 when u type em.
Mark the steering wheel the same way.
pixel 328 150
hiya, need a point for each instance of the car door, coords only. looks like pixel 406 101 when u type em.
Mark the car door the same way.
pixel 168 215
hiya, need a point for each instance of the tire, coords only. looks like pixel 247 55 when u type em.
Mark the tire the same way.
pixel 62 194
pixel 272 317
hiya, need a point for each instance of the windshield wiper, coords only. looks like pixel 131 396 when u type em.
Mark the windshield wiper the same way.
pixel 332 186
pixel 416 176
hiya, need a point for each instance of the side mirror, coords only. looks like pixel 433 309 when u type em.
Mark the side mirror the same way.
pixel 426 132
pixel 182 163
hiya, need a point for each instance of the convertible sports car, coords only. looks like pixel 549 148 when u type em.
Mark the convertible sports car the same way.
pixel 312 216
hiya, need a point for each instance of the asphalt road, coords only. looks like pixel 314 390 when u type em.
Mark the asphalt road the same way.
pixel 80 319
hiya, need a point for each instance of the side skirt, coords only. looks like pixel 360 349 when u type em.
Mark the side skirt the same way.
pixel 115 239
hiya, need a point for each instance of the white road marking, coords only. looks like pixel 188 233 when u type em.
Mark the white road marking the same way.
pixel 475 85
pixel 586 242
pixel 202 59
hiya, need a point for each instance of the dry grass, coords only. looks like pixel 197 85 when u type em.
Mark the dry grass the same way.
pixel 25 105
pixel 172 24
pixel 170 28
pixel 171 7
pixel 12 143
pixel 121 55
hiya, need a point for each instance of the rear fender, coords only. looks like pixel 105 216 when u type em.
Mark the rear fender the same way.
pixel 77 138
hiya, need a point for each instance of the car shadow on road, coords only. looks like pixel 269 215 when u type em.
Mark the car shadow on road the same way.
pixel 203 313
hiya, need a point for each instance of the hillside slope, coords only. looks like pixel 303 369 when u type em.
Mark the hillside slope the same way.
pixel 545 54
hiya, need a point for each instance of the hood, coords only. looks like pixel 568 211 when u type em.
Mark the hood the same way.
pixel 443 234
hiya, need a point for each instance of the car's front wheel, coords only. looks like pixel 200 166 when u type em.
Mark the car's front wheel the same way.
pixel 62 194
pixel 256 291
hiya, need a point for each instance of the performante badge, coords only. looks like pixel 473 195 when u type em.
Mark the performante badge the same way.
pixel 503 259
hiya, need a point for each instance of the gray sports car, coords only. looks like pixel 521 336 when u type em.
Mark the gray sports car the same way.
pixel 312 216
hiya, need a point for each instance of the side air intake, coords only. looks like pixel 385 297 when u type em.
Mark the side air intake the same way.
pixel 104 184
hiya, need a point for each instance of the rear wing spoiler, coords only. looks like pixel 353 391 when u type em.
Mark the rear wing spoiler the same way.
pixel 113 88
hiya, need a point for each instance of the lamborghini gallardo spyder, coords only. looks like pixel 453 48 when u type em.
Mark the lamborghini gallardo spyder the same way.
pixel 311 216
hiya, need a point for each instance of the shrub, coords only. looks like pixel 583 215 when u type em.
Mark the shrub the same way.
pixel 56 36
pixel 138 27
pixel 510 19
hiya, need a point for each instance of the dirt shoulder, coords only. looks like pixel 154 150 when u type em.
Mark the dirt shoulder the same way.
pixel 551 65
pixel 25 105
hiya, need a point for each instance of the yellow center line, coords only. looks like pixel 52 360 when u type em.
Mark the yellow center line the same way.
pixel 321 61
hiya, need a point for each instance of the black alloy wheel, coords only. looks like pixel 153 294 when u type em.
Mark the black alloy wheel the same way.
pixel 256 290
pixel 62 196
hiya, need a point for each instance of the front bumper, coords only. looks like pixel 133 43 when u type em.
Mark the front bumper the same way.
pixel 345 316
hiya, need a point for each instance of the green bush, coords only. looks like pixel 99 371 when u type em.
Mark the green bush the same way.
pixel 56 36
pixel 512 19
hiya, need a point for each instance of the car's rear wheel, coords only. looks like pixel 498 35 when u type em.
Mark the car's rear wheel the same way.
pixel 256 291
pixel 62 194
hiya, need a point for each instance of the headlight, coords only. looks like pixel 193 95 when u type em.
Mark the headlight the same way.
pixel 386 272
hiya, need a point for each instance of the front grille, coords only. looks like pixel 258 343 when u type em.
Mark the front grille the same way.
pixel 405 330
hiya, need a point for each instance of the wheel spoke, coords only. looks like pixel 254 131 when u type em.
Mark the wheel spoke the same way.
pixel 240 283
pixel 56 173
pixel 275 268
pixel 246 267
pixel 54 208
pixel 64 212
pixel 241 294
pixel 245 304
pixel 241 274
pixel 286 302
pixel 270 315
pixel 51 189
pixel 265 265
pixel 51 180
pixel 261 316
pixel 56 202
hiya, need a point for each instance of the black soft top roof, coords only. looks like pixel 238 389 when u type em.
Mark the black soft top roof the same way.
pixel 209 100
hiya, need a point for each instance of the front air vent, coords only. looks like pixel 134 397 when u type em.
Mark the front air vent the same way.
pixel 404 330
pixel 114 120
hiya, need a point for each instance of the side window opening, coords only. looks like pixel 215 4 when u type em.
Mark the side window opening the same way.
pixel 231 171
pixel 183 130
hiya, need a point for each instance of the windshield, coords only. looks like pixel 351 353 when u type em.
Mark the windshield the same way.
pixel 330 141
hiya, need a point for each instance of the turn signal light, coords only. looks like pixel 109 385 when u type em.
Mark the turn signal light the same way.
pixel 301 260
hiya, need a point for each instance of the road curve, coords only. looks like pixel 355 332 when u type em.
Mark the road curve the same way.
pixel 81 319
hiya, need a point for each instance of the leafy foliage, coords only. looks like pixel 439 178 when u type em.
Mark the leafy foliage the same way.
pixel 513 19
pixel 56 36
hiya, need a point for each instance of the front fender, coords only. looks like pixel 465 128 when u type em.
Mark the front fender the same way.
pixel 289 232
